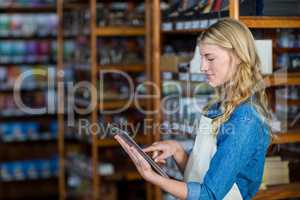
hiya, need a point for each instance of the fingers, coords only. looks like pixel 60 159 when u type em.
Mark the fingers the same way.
pixel 161 161
pixel 155 154
pixel 151 149
pixel 155 148
pixel 162 156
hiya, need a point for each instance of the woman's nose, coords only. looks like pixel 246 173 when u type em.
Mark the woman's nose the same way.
pixel 204 66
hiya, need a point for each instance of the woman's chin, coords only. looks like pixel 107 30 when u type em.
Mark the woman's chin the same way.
pixel 212 84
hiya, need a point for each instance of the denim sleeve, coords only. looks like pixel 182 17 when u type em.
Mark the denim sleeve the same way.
pixel 236 142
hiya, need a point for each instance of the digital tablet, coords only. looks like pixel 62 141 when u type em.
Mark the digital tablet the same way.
pixel 124 135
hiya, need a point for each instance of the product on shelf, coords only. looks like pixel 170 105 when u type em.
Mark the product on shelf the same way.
pixel 34 100
pixel 116 86
pixel 120 14
pixel 284 112
pixel 288 38
pixel 276 171
pixel 26 131
pixel 27 3
pixel 264 51
pixel 122 51
pixel 280 7
pixel 289 62
pixel 32 51
pixel 28 25
pixel 75 23
pixel 19 51
pixel 29 169
pixel 37 76
pixel 193 15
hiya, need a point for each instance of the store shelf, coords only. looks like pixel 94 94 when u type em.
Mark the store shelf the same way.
pixel 184 32
pixel 126 175
pixel 27 63
pixel 270 22
pixel 124 68
pixel 35 37
pixel 120 31
pixel 41 9
pixel 290 102
pixel 27 151
pixel 291 136
pixel 25 115
pixel 279 79
pixel 286 191
pixel 118 104
pixel 20 9
pixel 47 189
pixel 287 50
pixel 76 6
pixel 24 89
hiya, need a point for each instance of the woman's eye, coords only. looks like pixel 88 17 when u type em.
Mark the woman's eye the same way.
pixel 210 59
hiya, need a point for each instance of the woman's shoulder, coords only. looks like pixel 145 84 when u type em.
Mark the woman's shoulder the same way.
pixel 245 123
pixel 247 112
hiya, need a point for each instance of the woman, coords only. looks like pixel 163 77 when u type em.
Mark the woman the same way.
pixel 228 156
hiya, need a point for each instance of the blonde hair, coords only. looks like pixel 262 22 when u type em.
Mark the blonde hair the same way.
pixel 247 80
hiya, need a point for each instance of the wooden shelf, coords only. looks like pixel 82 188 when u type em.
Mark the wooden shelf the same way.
pixel 28 63
pixel 190 31
pixel 291 136
pixel 290 102
pixel 286 191
pixel 32 37
pixel 279 79
pixel 126 175
pixel 41 9
pixel 27 189
pixel 120 31
pixel 118 104
pixel 75 6
pixel 27 151
pixel 287 50
pixel 270 22
pixel 29 141
pixel 22 9
pixel 126 68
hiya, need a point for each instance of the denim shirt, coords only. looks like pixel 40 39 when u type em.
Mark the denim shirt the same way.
pixel 242 143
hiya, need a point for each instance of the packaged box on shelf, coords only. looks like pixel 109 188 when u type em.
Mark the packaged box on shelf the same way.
pixel 276 171
pixel 29 169
pixel 171 63
pixel 264 50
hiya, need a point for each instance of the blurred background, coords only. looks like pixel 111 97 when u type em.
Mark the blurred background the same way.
pixel 52 52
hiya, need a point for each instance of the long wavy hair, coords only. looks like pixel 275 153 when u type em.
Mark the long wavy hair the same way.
pixel 247 81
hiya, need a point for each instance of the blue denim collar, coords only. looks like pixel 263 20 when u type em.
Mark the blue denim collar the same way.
pixel 215 110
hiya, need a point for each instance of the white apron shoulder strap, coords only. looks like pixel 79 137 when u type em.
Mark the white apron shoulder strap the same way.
pixel 205 147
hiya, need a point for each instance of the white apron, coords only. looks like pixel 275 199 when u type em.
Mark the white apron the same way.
pixel 203 151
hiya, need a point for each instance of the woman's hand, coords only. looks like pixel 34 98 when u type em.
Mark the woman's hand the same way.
pixel 141 164
pixel 176 188
pixel 163 149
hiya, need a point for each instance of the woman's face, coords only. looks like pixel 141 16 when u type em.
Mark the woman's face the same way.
pixel 217 63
